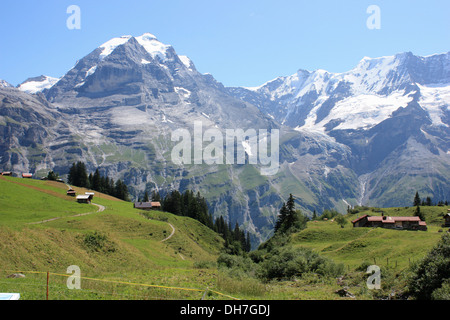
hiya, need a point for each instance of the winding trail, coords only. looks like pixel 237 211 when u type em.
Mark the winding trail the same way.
pixel 100 209
pixel 170 236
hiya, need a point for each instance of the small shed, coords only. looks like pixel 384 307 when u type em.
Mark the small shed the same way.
pixel 6 173
pixel 156 205
pixel 84 198
pixel 91 194
pixel 71 193
pixel 447 219
pixel 27 175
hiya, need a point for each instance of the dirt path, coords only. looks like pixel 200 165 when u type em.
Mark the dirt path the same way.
pixel 100 209
pixel 170 236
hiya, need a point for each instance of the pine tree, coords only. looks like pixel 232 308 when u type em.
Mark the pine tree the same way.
pixel 52 176
pixel 121 190
pixel 281 218
pixel 292 214
pixel 419 214
pixel 72 174
pixel 82 175
pixel 417 200
pixel 248 245
pixel 156 196
pixel 96 181
pixel 78 175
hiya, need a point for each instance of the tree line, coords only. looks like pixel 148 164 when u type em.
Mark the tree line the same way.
pixel 79 177
pixel 427 201
pixel 193 205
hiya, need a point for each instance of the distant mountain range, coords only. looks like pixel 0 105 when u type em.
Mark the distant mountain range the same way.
pixel 374 135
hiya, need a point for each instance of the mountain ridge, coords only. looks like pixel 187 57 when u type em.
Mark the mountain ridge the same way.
pixel 115 110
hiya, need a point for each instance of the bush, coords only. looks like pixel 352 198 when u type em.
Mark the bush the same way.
pixel 235 262
pixel 432 272
pixel 340 219
pixel 96 241
pixel 289 262
pixel 443 293
pixel 204 264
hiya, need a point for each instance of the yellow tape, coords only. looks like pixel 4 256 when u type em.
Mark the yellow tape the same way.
pixel 125 282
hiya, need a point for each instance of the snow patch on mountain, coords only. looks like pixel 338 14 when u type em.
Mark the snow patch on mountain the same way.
pixel 363 111
pixel 154 47
pixel 37 84
pixel 109 46
pixel 435 99
pixel 91 71
pixel 182 92
pixel 4 84
pixel 187 62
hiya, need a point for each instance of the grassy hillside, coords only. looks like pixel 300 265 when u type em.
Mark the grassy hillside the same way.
pixel 119 243
pixel 357 246
pixel 124 253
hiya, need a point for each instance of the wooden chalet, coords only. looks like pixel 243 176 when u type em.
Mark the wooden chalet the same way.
pixel 6 173
pixel 399 223
pixel 153 205
pixel 447 219
pixel 85 198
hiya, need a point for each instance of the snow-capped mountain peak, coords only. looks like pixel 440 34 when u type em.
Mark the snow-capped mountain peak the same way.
pixel 360 98
pixel 153 46
pixel 4 84
pixel 109 46
pixel 37 84
pixel 149 41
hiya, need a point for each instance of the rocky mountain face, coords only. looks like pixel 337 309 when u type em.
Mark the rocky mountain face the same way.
pixel 373 135
pixel 391 112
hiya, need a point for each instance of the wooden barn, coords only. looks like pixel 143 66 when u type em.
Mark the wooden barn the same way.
pixel 153 205
pixel 84 198
pixel 447 219
pixel 71 193
pixel 399 223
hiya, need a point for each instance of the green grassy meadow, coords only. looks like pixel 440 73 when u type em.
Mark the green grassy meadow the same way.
pixel 125 253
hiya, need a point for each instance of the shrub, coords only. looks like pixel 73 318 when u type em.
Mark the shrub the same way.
pixel 289 262
pixel 442 293
pixel 235 262
pixel 432 272
pixel 96 241
pixel 204 264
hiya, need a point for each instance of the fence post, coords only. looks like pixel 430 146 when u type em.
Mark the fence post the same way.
pixel 204 293
pixel 48 278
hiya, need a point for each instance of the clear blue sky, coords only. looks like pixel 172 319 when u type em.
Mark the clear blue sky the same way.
pixel 240 42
